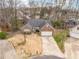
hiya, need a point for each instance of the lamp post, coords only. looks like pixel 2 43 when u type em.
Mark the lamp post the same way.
pixel 24 36
pixel 25 32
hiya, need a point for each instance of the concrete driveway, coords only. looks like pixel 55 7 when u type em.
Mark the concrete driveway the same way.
pixel 50 47
pixel 7 51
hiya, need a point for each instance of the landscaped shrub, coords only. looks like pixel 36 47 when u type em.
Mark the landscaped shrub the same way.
pixel 28 33
pixel 61 37
pixel 57 23
pixel 3 35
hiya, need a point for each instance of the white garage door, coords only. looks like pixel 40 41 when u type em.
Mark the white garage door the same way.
pixel 45 33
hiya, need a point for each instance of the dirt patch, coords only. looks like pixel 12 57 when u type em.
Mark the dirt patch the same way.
pixel 33 45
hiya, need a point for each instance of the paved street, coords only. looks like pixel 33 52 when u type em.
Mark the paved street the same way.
pixel 46 57
pixel 7 51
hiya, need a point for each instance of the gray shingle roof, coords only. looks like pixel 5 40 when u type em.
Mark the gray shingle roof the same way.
pixel 38 22
pixel 26 26
pixel 35 23
pixel 46 57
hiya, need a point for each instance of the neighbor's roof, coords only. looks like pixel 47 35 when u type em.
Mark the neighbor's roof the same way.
pixel 38 22
pixel 25 27
pixel 46 57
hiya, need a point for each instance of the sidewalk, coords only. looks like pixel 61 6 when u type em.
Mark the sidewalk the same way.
pixel 7 51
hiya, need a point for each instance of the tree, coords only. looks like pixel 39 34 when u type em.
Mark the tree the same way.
pixel 4 13
pixel 3 35
pixel 40 7
pixel 58 23
pixel 8 12
pixel 33 4
pixel 15 5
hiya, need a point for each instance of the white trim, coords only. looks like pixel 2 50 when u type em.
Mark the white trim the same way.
pixel 46 33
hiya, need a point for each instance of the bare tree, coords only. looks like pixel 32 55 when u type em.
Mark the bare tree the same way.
pixel 8 12
pixel 3 14
pixel 39 7
pixel 33 7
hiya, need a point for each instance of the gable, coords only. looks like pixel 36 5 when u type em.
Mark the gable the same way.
pixel 47 27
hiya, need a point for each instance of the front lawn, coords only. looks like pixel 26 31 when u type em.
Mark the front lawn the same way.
pixel 60 37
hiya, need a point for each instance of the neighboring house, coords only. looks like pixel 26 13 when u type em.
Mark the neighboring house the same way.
pixel 35 25
pixel 70 23
pixel 5 27
pixel 22 15
pixel 77 21
pixel 74 32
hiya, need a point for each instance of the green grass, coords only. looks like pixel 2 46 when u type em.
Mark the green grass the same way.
pixel 3 35
pixel 61 37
